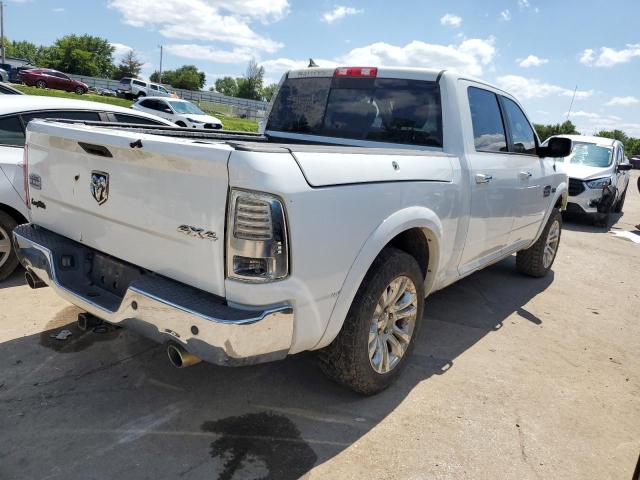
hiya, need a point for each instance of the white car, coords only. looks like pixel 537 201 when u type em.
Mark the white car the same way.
pixel 598 176
pixel 371 189
pixel 4 75
pixel 136 88
pixel 15 112
pixel 180 112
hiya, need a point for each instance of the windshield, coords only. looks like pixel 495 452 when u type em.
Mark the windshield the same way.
pixel 379 109
pixel 185 107
pixel 590 155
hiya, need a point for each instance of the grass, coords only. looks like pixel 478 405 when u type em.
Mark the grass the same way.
pixel 230 123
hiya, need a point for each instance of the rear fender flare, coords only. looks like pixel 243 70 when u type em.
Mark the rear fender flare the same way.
pixel 562 193
pixel 398 222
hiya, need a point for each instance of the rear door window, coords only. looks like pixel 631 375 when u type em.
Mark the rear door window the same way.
pixel 83 115
pixel 523 140
pixel 376 109
pixel 11 133
pixel 488 127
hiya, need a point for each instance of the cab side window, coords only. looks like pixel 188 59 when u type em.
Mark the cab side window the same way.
pixel 11 133
pixel 523 140
pixel 488 127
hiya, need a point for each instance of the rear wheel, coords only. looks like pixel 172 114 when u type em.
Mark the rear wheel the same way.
pixel 379 332
pixel 41 84
pixel 536 261
pixel 8 258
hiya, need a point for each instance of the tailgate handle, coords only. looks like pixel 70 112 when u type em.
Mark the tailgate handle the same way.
pixel 98 150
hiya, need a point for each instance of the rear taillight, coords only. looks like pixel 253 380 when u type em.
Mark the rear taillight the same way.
pixel 356 72
pixel 25 173
pixel 257 243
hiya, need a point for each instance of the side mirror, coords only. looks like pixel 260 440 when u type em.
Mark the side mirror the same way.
pixel 557 147
pixel 624 167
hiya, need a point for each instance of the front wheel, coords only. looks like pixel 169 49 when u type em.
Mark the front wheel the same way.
pixel 620 204
pixel 536 261
pixel 380 329
pixel 8 258
pixel 80 91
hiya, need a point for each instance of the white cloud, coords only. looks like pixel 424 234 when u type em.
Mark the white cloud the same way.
pixel 339 13
pixel 202 52
pixel 505 15
pixel 451 20
pixel 524 4
pixel 120 49
pixel 622 101
pixel 532 61
pixel 227 21
pixel 608 57
pixel 583 114
pixel 469 57
pixel 526 88
pixel 57 9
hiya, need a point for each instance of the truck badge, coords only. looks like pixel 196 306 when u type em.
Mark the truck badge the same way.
pixel 100 186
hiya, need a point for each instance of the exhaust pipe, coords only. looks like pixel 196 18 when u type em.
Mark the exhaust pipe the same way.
pixel 33 281
pixel 180 358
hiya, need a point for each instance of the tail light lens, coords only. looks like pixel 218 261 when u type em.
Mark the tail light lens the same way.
pixel 257 243
pixel 25 174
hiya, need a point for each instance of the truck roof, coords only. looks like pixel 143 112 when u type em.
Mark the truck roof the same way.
pixel 409 73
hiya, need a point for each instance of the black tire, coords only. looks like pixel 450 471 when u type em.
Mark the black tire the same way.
pixel 41 84
pixel 601 219
pixel 620 204
pixel 140 95
pixel 346 359
pixel 80 91
pixel 9 263
pixel 531 261
pixel 181 124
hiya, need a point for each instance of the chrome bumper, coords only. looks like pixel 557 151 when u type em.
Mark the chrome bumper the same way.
pixel 156 307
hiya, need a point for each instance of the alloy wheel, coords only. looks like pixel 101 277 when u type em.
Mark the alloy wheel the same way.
pixel 392 324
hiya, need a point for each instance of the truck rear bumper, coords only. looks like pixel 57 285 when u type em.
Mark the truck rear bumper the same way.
pixel 161 309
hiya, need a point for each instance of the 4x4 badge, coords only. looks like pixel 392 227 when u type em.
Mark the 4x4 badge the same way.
pixel 99 186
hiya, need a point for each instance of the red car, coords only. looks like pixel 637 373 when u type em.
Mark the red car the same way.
pixel 47 78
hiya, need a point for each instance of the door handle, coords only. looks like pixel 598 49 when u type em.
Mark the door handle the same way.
pixel 482 178
pixel 525 175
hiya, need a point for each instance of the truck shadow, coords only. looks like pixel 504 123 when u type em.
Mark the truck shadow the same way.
pixel 577 222
pixel 16 279
pixel 116 408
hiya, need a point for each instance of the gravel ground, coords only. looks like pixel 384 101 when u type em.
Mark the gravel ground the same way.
pixel 512 378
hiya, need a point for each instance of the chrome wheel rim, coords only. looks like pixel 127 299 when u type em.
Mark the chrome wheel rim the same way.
pixel 551 245
pixel 5 247
pixel 392 324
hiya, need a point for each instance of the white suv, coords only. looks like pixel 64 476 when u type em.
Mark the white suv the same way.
pixel 180 112
pixel 136 88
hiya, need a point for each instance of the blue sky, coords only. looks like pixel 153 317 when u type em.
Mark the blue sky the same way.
pixel 539 50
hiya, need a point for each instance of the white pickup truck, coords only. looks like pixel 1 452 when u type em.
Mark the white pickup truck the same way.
pixel 370 189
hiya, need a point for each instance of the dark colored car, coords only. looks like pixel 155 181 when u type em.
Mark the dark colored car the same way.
pixel 15 74
pixel 635 161
pixel 46 78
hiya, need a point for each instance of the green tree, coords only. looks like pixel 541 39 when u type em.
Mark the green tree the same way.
pixel 34 54
pixel 187 77
pixel 82 55
pixel 631 144
pixel 129 66
pixel 250 86
pixel 227 86
pixel 546 131
pixel 269 91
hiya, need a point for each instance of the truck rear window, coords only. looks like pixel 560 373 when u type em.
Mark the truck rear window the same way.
pixel 376 109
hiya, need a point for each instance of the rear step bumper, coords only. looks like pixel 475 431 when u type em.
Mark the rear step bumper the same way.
pixel 161 309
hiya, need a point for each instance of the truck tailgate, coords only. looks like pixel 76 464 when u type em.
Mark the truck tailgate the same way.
pixel 160 206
